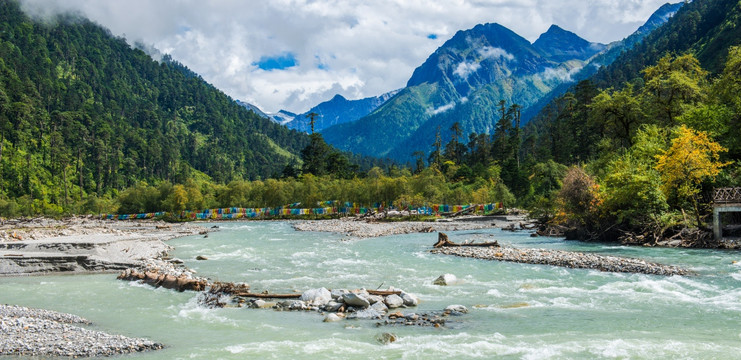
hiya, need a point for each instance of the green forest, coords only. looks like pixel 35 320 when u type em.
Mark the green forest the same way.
pixel 89 125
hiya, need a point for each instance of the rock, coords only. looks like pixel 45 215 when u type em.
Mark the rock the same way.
pixel 355 300
pixel 393 301
pixel 319 297
pixel 332 318
pixel 291 305
pixel 386 338
pixel 372 299
pixel 366 314
pixel 337 293
pixel 674 243
pixel 380 307
pixel 456 309
pixel 445 280
pixel 412 317
pixel 409 299
pixel 201 257
pixel 258 304
pixel 176 261
pixel 332 306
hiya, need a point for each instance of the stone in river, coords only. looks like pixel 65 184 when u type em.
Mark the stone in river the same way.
pixel 456 308
pixel 201 257
pixel 332 317
pixel 355 300
pixel 318 297
pixel 393 301
pixel 332 306
pixel 366 314
pixel 386 338
pixel 445 279
pixel 374 299
pixel 409 299
pixel 257 304
pixel 380 307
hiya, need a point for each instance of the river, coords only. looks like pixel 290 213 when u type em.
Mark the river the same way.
pixel 516 311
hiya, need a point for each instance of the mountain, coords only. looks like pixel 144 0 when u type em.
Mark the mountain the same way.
pixel 83 113
pixel 560 45
pixel 338 110
pixel 464 80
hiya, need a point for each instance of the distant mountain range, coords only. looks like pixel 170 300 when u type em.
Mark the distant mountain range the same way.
pixel 464 80
pixel 336 111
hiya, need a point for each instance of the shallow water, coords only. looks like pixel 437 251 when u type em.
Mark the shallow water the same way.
pixel 517 311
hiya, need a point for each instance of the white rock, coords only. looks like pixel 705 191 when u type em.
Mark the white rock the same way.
pixel 380 307
pixel 332 317
pixel 393 301
pixel 409 299
pixel 337 293
pixel 457 308
pixel 366 314
pixel 318 297
pixel 257 304
pixel 372 299
pixel 445 280
pixel 355 300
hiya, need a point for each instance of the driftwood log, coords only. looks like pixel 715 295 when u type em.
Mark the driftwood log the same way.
pixel 442 241
pixel 163 280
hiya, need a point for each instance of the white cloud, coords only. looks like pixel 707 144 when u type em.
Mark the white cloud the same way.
pixel 441 109
pixel 355 48
pixel 466 68
pixel 495 53
pixel 559 73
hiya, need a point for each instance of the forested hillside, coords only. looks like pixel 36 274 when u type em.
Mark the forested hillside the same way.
pixel 82 113
pixel 650 135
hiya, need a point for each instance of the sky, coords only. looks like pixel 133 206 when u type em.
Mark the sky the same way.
pixel 294 54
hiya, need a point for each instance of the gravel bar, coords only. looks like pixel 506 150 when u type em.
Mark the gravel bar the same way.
pixel 43 333
pixel 569 259
pixel 361 228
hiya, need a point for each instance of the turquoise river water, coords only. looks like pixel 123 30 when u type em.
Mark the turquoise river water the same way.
pixel 517 311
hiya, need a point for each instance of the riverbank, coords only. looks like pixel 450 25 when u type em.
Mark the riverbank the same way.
pixel 43 333
pixel 83 244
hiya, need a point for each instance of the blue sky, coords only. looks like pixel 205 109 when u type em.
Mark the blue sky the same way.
pixel 294 54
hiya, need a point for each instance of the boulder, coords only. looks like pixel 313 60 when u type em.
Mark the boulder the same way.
pixel 386 338
pixel 372 299
pixel 291 305
pixel 332 317
pixel 366 314
pixel 318 297
pixel 258 304
pixel 380 307
pixel 332 306
pixel 393 301
pixel 353 299
pixel 337 293
pixel 201 257
pixel 445 280
pixel 456 309
pixel 409 299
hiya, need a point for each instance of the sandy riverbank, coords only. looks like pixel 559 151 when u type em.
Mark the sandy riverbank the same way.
pixel 82 244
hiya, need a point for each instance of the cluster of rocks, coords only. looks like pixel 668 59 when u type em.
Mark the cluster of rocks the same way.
pixel 567 259
pixel 45 228
pixel 343 303
pixel 361 228
pixel 42 333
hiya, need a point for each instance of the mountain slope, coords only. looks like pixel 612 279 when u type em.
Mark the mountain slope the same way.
pixel 560 45
pixel 476 65
pixel 82 113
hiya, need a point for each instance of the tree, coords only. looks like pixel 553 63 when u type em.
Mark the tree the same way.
pixel 619 111
pixel 671 85
pixel 692 158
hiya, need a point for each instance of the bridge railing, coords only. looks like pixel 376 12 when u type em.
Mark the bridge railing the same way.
pixel 727 195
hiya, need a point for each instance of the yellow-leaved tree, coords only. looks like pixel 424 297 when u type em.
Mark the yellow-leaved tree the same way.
pixel 692 158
